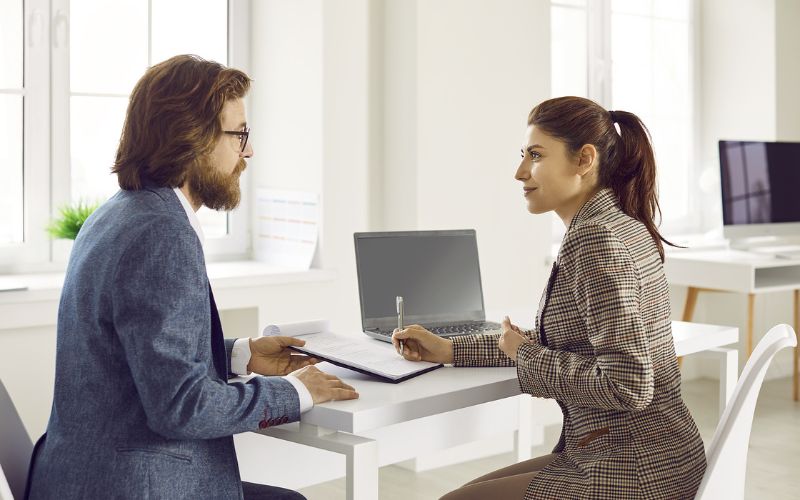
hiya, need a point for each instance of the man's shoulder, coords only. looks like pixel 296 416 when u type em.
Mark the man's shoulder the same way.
pixel 144 218
pixel 146 209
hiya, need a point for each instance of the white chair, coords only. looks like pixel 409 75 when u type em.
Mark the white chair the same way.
pixel 15 450
pixel 727 455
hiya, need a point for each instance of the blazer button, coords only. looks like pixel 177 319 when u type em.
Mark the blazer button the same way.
pixel 271 422
pixel 263 424
pixel 284 419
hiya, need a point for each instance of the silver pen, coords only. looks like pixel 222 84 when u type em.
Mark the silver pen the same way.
pixel 399 304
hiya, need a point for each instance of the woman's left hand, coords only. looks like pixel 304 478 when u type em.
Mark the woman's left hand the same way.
pixel 511 339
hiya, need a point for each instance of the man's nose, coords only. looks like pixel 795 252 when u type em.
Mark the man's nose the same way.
pixel 248 151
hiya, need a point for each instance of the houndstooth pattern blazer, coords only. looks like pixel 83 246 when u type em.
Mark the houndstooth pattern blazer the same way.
pixel 602 348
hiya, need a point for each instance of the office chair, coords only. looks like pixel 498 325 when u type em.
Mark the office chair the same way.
pixel 727 455
pixel 15 450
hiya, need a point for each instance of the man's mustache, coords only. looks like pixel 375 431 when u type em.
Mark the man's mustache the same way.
pixel 240 166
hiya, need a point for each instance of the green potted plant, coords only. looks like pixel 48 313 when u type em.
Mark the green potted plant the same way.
pixel 71 220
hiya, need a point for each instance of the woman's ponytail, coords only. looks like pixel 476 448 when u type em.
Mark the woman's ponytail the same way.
pixel 634 178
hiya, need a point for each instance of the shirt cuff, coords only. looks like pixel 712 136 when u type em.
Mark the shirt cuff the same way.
pixel 306 401
pixel 240 356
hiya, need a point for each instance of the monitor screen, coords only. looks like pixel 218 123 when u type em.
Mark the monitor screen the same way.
pixel 436 273
pixel 760 182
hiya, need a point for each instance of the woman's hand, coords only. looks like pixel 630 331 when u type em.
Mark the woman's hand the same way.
pixel 421 345
pixel 511 339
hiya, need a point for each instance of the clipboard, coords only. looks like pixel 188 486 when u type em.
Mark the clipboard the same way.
pixel 362 355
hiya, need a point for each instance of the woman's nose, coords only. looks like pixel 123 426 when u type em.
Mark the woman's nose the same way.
pixel 523 171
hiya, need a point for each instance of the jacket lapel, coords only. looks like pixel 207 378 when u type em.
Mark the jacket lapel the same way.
pixel 217 339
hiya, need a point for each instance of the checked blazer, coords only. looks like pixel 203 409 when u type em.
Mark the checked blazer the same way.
pixel 602 348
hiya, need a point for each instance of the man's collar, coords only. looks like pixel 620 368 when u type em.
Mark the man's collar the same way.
pixel 190 213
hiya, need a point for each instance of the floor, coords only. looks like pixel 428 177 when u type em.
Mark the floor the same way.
pixel 773 471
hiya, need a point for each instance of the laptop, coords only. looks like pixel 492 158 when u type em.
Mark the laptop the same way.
pixel 436 273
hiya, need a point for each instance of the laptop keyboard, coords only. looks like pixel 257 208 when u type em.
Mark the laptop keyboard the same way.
pixel 455 330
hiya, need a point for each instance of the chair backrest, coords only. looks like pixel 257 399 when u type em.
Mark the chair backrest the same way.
pixel 15 446
pixel 727 455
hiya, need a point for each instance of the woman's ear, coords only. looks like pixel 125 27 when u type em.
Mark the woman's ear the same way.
pixel 587 159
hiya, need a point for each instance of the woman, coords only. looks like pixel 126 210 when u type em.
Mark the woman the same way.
pixel 602 343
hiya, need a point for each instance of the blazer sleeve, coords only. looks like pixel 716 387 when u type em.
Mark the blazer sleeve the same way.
pixel 619 374
pixel 479 350
pixel 161 310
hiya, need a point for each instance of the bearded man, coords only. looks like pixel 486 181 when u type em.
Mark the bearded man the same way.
pixel 142 406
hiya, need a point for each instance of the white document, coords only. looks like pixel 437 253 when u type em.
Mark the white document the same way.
pixel 364 355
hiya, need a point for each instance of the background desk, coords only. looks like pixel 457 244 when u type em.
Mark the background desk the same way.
pixel 740 272
pixel 335 426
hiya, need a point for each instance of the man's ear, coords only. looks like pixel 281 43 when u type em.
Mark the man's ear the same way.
pixel 587 159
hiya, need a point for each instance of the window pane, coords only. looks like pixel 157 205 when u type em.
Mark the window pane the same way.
pixel 651 76
pixel 578 3
pixel 569 52
pixel 671 71
pixel 11 187
pixel 215 224
pixel 95 123
pixel 672 9
pixel 190 27
pixel 108 45
pixel 631 64
pixel 11 44
pixel 637 7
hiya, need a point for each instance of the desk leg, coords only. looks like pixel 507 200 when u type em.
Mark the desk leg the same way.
pixel 688 309
pixel 361 454
pixel 362 471
pixel 728 358
pixel 795 367
pixel 728 374
pixel 691 302
pixel 524 428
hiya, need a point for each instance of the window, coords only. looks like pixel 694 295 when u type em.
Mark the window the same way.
pixel 638 56
pixel 91 53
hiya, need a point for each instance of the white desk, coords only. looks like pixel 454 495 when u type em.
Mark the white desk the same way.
pixel 739 272
pixel 335 426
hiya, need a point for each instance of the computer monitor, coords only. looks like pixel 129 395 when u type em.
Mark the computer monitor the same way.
pixel 760 185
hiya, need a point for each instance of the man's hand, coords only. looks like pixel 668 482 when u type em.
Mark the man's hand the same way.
pixel 272 356
pixel 422 345
pixel 323 386
pixel 511 339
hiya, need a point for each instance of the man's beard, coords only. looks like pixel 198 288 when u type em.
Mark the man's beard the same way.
pixel 214 189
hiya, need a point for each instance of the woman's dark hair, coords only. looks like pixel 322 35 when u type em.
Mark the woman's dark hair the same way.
pixel 627 162
pixel 173 120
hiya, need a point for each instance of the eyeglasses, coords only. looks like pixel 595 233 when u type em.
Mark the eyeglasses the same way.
pixel 243 136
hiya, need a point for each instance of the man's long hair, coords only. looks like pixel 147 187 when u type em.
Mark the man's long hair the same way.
pixel 173 120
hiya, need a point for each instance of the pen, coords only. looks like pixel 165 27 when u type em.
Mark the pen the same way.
pixel 399 304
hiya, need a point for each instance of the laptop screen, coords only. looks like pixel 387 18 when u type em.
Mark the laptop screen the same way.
pixel 436 272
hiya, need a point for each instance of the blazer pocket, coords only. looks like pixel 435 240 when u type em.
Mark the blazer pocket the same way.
pixel 155 452
pixel 592 436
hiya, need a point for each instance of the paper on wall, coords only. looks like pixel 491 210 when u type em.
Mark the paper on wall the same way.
pixel 287 227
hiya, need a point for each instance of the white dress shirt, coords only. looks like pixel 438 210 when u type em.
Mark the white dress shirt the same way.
pixel 240 355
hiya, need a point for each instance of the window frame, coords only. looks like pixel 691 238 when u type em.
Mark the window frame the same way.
pixel 46 139
pixel 35 248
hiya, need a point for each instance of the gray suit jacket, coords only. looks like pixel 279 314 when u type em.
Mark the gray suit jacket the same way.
pixel 140 410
